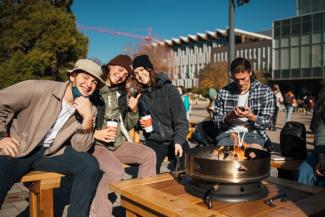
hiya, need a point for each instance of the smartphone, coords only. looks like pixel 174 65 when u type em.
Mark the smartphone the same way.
pixel 241 108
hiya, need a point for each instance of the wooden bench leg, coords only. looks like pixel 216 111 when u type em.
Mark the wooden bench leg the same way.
pixel 46 203
pixel 33 209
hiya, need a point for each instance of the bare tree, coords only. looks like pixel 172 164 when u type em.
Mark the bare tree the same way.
pixel 160 56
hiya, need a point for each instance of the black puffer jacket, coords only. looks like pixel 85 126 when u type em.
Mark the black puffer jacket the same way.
pixel 166 107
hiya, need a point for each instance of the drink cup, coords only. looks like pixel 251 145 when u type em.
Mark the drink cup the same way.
pixel 148 123
pixel 112 124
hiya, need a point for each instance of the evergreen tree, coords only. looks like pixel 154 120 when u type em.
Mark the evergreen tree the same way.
pixel 38 40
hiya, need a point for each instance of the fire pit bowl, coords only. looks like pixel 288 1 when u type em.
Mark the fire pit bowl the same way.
pixel 202 165
pixel 227 180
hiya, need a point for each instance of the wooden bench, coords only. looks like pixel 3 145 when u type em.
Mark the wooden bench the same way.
pixel 286 168
pixel 41 192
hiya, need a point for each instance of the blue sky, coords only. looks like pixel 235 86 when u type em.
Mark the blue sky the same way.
pixel 168 19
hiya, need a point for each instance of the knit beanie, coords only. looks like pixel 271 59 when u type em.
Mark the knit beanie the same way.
pixel 122 60
pixel 142 61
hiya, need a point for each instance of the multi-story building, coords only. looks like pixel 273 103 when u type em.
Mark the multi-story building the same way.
pixel 299 48
pixel 190 54
pixel 259 53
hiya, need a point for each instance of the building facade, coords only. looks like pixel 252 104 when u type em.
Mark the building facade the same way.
pixel 299 49
pixel 190 54
pixel 259 53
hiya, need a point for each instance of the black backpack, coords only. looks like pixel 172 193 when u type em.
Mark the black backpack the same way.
pixel 205 133
pixel 293 140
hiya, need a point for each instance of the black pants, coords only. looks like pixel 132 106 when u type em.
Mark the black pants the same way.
pixel 166 149
pixel 83 166
pixel 275 116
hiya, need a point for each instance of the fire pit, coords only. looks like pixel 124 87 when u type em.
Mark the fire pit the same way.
pixel 229 180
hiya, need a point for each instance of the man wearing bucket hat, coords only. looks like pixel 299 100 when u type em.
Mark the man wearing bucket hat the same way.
pixel 113 144
pixel 37 121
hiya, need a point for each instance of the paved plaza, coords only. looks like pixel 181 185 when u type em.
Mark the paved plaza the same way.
pixel 16 203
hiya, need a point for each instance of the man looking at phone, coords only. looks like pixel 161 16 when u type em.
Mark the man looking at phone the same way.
pixel 244 107
pixel 48 126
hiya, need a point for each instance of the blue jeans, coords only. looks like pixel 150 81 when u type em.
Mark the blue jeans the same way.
pixel 289 112
pixel 250 137
pixel 305 173
pixel 82 165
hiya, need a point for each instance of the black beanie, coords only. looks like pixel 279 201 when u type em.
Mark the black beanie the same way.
pixel 142 60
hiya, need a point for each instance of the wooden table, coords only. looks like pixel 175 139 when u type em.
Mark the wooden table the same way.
pixel 162 195
pixel 286 168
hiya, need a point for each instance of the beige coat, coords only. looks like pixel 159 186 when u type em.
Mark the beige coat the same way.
pixel 30 108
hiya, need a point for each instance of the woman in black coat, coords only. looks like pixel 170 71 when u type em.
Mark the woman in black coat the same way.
pixel 164 103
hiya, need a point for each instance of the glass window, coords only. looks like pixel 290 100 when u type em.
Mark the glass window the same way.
pixel 285 58
pixel 314 5
pixel 294 41
pixel 284 42
pixel 306 24
pixel 305 57
pixel 295 73
pixel 316 38
pixel 295 26
pixel 276 58
pixel 305 39
pixel 285 28
pixel 276 43
pixel 276 29
pixel 317 22
pixel 285 73
pixel 317 72
pixel 316 55
pixel 277 74
pixel 294 57
pixel 306 73
pixel 276 32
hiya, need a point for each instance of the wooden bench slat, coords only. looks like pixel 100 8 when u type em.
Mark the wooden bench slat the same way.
pixel 39 175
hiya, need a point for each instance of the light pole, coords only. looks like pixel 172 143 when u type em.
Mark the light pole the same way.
pixel 231 32
pixel 231 37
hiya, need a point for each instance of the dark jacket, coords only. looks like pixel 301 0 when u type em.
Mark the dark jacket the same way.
pixel 319 123
pixel 166 107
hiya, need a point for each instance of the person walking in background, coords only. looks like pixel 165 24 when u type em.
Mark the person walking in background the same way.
pixel 186 100
pixel 114 147
pixel 278 102
pixel 164 103
pixel 48 126
pixel 289 101
pixel 312 170
pixel 307 103
pixel 212 98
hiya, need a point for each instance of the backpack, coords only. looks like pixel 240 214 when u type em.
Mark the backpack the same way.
pixel 293 140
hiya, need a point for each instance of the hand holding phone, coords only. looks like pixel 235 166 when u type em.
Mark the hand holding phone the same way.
pixel 242 108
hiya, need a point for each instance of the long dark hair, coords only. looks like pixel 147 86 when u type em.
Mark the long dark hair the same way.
pixel 152 78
